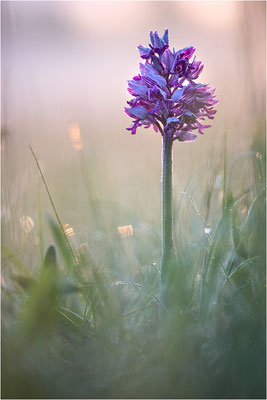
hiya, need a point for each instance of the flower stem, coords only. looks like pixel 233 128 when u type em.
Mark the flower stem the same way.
pixel 168 262
pixel 167 239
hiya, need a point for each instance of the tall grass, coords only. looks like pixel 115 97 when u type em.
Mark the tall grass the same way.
pixel 85 322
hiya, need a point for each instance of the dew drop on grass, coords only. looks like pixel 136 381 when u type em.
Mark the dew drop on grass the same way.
pixel 207 230
pixel 116 283
pixel 75 136
pixel 126 230
pixel 69 230
pixel 27 223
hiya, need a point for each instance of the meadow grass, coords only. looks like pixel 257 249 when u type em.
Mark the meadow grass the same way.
pixel 80 313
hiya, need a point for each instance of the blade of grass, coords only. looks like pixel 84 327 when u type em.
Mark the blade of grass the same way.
pixel 242 265
pixel 75 259
pixel 138 311
pixel 40 219
pixel 71 318
pixel 10 256
pixel 197 212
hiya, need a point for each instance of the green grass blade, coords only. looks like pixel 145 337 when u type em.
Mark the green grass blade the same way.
pixel 14 259
pixel 56 213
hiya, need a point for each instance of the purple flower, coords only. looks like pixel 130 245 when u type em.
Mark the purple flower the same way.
pixel 165 94
pixel 159 45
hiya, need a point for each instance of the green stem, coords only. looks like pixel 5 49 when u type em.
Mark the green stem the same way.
pixel 168 262
pixel 167 237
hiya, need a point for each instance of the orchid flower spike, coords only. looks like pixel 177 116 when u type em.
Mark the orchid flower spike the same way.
pixel 165 94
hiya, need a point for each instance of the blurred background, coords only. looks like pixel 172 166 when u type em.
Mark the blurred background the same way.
pixel 65 67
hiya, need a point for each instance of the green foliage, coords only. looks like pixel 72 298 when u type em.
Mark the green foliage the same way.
pixel 85 322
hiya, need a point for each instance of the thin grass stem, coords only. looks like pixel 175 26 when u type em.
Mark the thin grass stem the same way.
pixel 75 259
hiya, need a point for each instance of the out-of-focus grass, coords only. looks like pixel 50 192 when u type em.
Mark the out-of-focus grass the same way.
pixel 93 331
pixel 86 323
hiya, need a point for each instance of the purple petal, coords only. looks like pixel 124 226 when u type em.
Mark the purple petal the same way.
pixel 137 89
pixel 187 137
pixel 137 112
pixel 177 95
pixel 165 37
pixel 187 52
pixel 145 52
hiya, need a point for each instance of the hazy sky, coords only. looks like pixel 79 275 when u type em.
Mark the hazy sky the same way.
pixel 65 62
